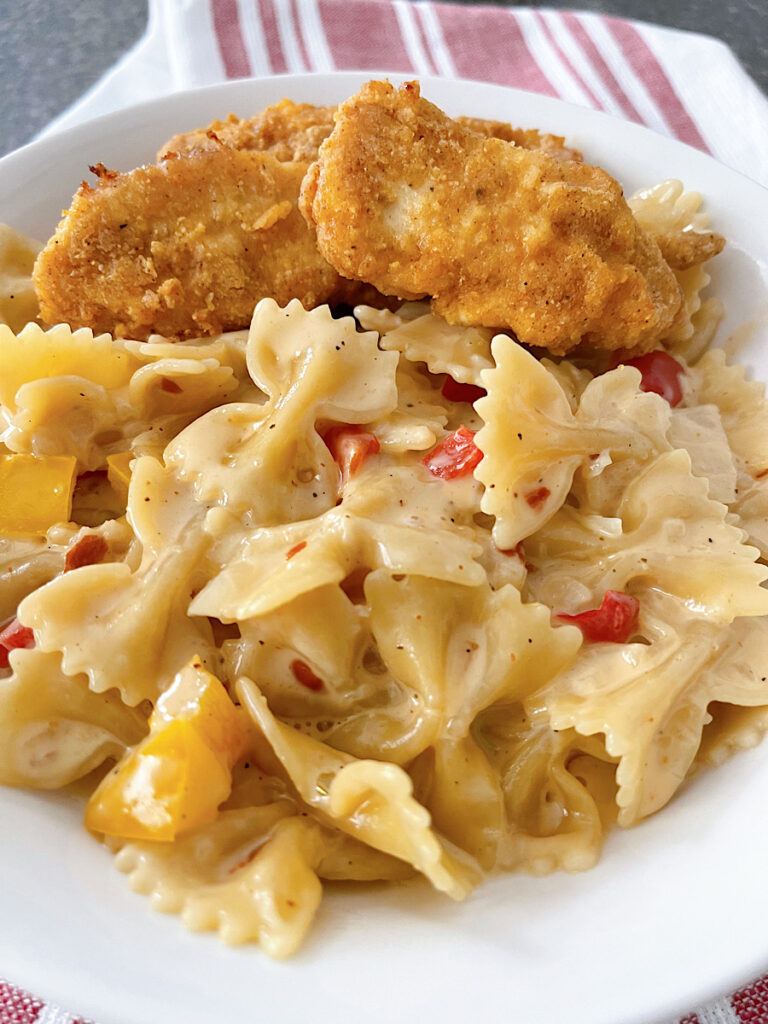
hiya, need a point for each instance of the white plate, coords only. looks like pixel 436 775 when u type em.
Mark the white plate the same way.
pixel 674 914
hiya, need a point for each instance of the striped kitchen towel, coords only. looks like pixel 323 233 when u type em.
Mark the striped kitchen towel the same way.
pixel 680 84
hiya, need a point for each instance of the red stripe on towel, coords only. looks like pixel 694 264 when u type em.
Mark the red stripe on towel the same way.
pixel 486 43
pixel 650 72
pixel 229 36
pixel 362 35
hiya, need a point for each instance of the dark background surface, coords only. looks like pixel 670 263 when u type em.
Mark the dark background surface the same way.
pixel 53 50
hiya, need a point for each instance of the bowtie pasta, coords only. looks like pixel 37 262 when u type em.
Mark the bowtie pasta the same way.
pixel 375 598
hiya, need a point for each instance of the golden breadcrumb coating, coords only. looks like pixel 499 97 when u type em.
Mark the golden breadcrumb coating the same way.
pixel 501 236
pixel 685 249
pixel 294 131
pixel 287 130
pixel 185 248
pixel 526 138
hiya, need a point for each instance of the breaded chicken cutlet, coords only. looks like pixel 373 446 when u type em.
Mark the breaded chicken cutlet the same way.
pixel 183 248
pixel 417 204
pixel 287 130
pixel 187 247
pixel 295 131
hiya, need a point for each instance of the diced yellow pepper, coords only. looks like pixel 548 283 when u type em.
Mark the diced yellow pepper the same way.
pixel 172 783
pixel 177 777
pixel 35 492
pixel 197 696
pixel 119 473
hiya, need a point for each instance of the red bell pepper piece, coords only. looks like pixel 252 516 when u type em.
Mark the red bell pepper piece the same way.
pixel 456 455
pixel 12 636
pixel 455 391
pixel 613 622
pixel 660 374
pixel 350 446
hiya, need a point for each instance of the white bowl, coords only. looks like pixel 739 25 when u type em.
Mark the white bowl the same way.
pixel 675 913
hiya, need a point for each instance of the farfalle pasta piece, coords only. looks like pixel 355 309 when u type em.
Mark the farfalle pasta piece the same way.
pixel 268 463
pixel 461 352
pixel 53 728
pixel 34 354
pixel 743 410
pixel 382 320
pixel 699 430
pixel 558 788
pixel 25 564
pixel 389 518
pixel 319 665
pixel 666 207
pixel 419 418
pixel 341 374
pixel 93 614
pixel 252 875
pixel 752 513
pixel 533 443
pixel 370 800
pixel 677 222
pixel 464 648
pixel 66 416
pixel 731 729
pixel 650 700
pixel 73 393
pixel 183 388
pixel 247 875
pixel 667 533
pixel 461 790
pixel 18 301
pixel 226 349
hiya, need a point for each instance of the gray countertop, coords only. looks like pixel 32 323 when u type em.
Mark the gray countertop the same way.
pixel 53 51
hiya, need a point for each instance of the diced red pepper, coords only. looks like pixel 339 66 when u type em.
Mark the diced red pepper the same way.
pixel 660 374
pixel 304 675
pixel 350 446
pixel 455 391
pixel 456 455
pixel 613 622
pixel 14 635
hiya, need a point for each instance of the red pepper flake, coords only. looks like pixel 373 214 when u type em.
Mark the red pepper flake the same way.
pixel 761 474
pixel 305 675
pixel 613 622
pixel 455 391
pixel 456 455
pixel 350 446
pixel 537 498
pixel 296 549
pixel 170 386
pixel 89 549
pixel 660 373
pixel 13 636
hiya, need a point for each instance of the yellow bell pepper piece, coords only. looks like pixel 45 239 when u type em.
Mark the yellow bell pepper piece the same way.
pixel 119 473
pixel 35 492
pixel 177 777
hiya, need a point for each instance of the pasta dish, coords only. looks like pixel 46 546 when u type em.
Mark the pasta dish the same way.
pixel 364 519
